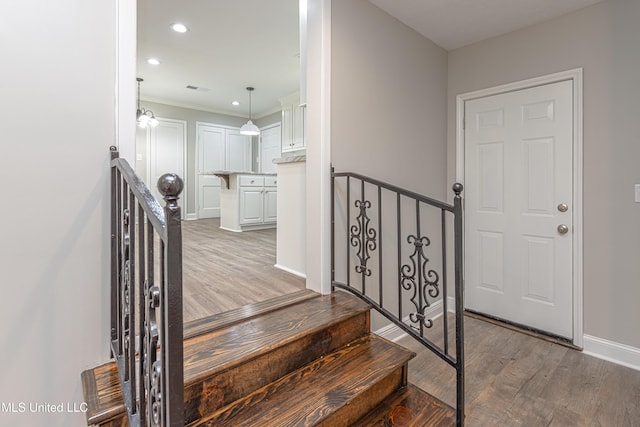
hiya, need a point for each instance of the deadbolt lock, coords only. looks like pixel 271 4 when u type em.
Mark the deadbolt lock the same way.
pixel 562 207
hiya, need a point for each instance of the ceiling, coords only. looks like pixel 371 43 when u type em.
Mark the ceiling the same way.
pixel 455 23
pixel 232 44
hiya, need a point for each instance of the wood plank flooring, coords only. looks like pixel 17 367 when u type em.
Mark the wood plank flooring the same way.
pixel 513 379
pixel 223 270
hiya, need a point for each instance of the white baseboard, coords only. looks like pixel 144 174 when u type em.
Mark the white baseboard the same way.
pixel 611 351
pixel 191 217
pixel 290 270
pixel 394 333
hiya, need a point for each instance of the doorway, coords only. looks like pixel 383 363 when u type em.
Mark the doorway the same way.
pixel 519 156
pixel 166 153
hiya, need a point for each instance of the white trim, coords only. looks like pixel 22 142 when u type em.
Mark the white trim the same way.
pixel 575 76
pixel 620 354
pixel 318 182
pixel 394 333
pixel 191 217
pixel 125 82
pixel 291 271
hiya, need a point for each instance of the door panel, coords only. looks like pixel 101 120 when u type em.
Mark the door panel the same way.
pixel 166 146
pixel 251 205
pixel 270 148
pixel 518 168
pixel 211 155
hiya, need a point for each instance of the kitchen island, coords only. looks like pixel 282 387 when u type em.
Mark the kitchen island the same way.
pixel 248 200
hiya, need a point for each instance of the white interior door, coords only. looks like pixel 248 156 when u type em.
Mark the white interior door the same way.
pixel 518 179
pixel 211 157
pixel 166 154
pixel 270 148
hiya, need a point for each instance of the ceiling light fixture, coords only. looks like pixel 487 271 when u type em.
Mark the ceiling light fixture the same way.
pixel 235 103
pixel 144 117
pixel 249 128
pixel 153 61
pixel 179 28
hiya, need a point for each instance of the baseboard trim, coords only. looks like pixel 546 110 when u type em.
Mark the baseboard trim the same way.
pixel 611 351
pixel 191 217
pixel 290 270
pixel 393 333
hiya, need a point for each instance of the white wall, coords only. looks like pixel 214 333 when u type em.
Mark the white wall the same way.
pixel 388 99
pixel 57 123
pixel 604 40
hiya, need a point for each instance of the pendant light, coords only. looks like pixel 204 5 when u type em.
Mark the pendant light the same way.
pixel 144 117
pixel 249 128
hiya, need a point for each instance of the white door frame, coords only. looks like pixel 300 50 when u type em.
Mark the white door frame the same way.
pixel 575 76
pixel 183 195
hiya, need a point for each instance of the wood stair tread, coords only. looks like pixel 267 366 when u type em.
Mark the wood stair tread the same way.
pixel 217 321
pixel 334 390
pixel 313 323
pixel 220 349
pixel 409 407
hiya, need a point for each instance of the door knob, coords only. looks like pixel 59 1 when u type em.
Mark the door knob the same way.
pixel 562 207
pixel 563 229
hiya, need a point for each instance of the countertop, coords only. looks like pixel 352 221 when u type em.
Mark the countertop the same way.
pixel 290 159
pixel 234 173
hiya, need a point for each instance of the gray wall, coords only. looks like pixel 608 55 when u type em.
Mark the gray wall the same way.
pixel 388 102
pixel 604 40
pixel 57 125
pixel 191 116
pixel 388 99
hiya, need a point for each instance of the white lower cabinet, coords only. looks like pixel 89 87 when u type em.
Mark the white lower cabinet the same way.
pixel 250 202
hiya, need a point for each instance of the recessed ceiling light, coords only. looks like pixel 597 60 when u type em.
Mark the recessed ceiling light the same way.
pixel 179 28
pixel 153 61
pixel 235 103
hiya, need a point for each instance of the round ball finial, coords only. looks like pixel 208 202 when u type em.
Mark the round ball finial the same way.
pixel 457 188
pixel 170 185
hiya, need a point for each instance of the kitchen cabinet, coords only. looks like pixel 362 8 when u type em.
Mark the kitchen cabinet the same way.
pixel 250 202
pixel 293 123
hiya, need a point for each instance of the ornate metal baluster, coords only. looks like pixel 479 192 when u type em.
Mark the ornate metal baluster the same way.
pixel 416 278
pixel 363 237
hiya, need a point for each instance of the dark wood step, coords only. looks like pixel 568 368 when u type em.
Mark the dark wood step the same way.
pixel 410 407
pixel 335 390
pixel 217 321
pixel 230 362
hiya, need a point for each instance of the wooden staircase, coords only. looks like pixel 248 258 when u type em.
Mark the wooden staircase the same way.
pixel 301 360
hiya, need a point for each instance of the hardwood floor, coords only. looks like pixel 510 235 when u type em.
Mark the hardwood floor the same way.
pixel 513 379
pixel 223 270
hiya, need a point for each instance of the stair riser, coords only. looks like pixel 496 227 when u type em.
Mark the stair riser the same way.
pixel 366 401
pixel 208 395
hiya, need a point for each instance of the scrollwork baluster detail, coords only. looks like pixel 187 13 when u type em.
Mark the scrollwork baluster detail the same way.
pixel 423 285
pixel 363 237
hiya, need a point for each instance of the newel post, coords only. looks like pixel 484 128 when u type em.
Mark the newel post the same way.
pixel 170 186
pixel 459 292
pixel 115 267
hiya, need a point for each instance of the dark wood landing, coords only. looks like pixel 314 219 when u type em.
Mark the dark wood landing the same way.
pixel 334 390
pixel 232 361
pixel 309 361
pixel 409 407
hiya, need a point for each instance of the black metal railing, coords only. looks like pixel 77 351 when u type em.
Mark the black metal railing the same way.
pixel 146 296
pixel 387 258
